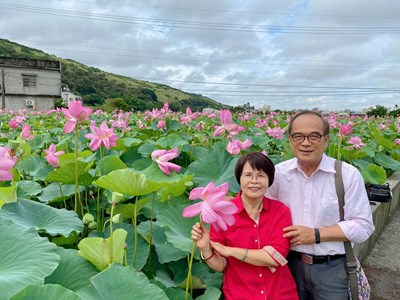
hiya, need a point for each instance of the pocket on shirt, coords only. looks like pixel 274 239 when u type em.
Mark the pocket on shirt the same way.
pixel 328 212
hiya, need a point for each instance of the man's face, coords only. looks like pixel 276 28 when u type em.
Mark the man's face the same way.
pixel 309 153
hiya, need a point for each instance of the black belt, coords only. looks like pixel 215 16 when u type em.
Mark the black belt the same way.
pixel 314 259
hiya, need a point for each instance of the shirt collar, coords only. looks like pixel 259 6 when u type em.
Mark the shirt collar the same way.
pixel 324 165
pixel 238 202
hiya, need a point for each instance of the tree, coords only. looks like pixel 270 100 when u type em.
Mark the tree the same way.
pixel 379 111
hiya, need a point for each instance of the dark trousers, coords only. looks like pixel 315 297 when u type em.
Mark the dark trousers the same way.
pixel 320 281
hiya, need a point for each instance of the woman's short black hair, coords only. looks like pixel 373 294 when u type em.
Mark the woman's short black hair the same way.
pixel 257 161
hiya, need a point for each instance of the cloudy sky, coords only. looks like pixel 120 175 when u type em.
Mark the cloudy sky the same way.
pixel 330 54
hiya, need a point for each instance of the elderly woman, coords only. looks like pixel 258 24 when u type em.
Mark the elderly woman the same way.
pixel 252 252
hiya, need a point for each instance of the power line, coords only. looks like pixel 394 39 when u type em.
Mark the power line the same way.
pixel 288 64
pixel 202 25
pixel 273 85
pixel 231 11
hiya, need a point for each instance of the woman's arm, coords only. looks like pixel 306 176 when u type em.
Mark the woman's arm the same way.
pixel 201 235
pixel 256 257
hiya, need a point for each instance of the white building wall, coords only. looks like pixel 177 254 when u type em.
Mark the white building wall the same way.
pixel 42 96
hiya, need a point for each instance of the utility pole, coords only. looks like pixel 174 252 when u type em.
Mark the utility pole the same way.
pixel 3 91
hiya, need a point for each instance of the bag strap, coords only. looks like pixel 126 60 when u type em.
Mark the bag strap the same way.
pixel 350 258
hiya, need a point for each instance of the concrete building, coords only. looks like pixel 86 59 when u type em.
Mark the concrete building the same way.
pixel 29 83
pixel 67 96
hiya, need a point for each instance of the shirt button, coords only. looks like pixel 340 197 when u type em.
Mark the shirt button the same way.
pixel 262 292
pixel 260 275
pixel 255 225
pixel 256 241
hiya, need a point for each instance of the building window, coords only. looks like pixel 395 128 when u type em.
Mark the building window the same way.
pixel 29 80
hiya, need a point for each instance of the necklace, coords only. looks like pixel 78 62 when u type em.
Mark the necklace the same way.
pixel 257 216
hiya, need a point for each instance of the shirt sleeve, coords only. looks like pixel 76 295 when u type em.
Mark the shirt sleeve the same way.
pixel 358 223
pixel 282 219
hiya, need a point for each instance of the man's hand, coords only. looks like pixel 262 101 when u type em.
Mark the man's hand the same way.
pixel 300 235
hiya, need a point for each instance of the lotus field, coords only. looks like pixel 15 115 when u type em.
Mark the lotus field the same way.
pixel 91 202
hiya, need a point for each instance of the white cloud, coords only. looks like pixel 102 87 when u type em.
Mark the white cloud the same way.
pixel 287 54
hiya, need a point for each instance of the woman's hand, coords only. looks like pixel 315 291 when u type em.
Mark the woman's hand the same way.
pixel 220 249
pixel 202 235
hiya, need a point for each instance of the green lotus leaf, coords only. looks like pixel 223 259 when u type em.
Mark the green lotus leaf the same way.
pixel 44 218
pixel 374 174
pixel 126 182
pixel 56 192
pixel 166 251
pixel 175 189
pixel 44 292
pixel 84 156
pixel 79 270
pixel 351 154
pixel 8 195
pixel 380 140
pixel 172 185
pixel 26 258
pixel 132 142
pixel 27 188
pixel 66 173
pixel 387 162
pixel 98 250
pixel 128 210
pixel 146 149
pixel 119 282
pixel 176 293
pixel 211 293
pixel 37 167
pixel 110 163
pixel 142 246
pixel 177 228
pixel 171 141
pixel 218 166
pixel 261 141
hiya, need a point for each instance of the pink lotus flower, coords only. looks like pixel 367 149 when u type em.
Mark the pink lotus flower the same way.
pixel 397 141
pixel 13 123
pixel 26 133
pixel 75 113
pixel 161 124
pixel 235 146
pixel 121 122
pixel 214 209
pixel 140 124
pixel 200 126
pixel 6 164
pixel 345 130
pixel 161 157
pixel 276 132
pixel 102 136
pixel 52 155
pixel 356 142
pixel 227 125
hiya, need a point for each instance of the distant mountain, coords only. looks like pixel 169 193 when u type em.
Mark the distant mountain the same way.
pixel 99 88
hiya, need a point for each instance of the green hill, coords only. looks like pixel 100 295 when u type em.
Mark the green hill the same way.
pixel 99 88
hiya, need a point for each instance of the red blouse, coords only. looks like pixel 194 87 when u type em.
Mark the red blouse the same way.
pixel 245 281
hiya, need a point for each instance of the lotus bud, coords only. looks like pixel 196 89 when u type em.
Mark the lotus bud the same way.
pixel 14 144
pixel 189 184
pixel 87 218
pixel 117 197
pixel 92 225
pixel 117 219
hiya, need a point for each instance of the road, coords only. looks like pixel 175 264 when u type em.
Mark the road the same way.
pixel 382 266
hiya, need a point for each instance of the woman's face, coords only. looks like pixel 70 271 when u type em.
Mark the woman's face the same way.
pixel 253 183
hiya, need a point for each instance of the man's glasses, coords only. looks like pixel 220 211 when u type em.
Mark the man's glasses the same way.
pixel 312 138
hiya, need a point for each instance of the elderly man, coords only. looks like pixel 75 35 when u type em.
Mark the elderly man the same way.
pixel 306 184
